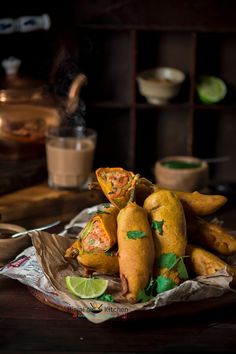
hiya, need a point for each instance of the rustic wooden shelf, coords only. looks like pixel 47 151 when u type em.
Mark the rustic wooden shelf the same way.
pixel 111 46
pixel 108 105
pixel 216 107
pixel 118 53
pixel 148 106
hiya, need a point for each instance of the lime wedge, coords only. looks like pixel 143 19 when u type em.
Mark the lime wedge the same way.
pixel 211 89
pixel 86 288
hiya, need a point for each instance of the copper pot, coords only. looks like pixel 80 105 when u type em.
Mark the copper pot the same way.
pixel 23 123
pixel 17 88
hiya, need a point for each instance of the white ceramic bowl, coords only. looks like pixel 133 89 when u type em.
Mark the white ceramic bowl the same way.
pixel 160 84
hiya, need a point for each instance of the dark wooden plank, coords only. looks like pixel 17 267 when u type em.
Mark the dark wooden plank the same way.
pixel 26 325
pixel 18 174
pixel 39 203
pixel 192 15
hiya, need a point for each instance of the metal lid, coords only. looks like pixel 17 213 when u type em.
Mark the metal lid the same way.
pixel 16 88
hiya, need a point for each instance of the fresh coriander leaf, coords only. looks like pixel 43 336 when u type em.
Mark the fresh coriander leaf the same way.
pixel 149 292
pixel 106 297
pixel 164 284
pixel 150 285
pixel 151 288
pixel 135 234
pixel 142 296
pixel 158 225
pixel 167 260
pixel 181 268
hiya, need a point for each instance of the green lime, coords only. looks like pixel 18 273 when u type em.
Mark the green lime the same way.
pixel 211 89
pixel 86 288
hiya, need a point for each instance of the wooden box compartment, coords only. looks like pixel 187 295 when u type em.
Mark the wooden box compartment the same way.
pixel 215 133
pixel 160 132
pixel 216 55
pixel 106 58
pixel 160 48
pixel 114 136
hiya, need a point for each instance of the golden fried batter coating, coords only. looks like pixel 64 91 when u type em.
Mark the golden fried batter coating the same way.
pixel 205 263
pixel 169 227
pixel 135 250
pixel 211 235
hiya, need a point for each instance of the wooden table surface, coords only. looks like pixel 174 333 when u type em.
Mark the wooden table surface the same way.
pixel 29 326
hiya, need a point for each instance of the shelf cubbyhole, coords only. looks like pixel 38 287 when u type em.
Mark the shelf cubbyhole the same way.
pixel 114 132
pixel 106 58
pixel 162 133
pixel 171 49
pixel 216 56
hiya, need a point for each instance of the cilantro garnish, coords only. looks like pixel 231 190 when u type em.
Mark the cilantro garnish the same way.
pixel 170 260
pixel 183 274
pixel 158 225
pixel 142 296
pixel 164 284
pixel 135 234
pixel 149 292
pixel 151 288
pixel 167 260
pixel 106 297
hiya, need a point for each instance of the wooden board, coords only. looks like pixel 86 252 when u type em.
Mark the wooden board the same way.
pixel 18 174
pixel 38 204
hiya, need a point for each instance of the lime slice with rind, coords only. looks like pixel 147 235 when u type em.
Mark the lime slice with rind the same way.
pixel 211 89
pixel 86 288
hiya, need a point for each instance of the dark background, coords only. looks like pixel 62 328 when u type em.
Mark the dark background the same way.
pixel 111 41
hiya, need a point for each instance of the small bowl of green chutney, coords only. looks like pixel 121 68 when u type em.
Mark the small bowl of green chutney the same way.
pixel 182 173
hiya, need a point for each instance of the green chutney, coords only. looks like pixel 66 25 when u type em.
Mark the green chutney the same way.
pixel 180 164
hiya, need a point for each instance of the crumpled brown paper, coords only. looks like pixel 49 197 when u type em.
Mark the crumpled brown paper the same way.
pixel 50 250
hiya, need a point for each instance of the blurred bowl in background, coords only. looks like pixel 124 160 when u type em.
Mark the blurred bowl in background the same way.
pixel 183 173
pixel 160 84
pixel 11 247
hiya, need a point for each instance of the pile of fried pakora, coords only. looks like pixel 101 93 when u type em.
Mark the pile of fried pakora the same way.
pixel 153 238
